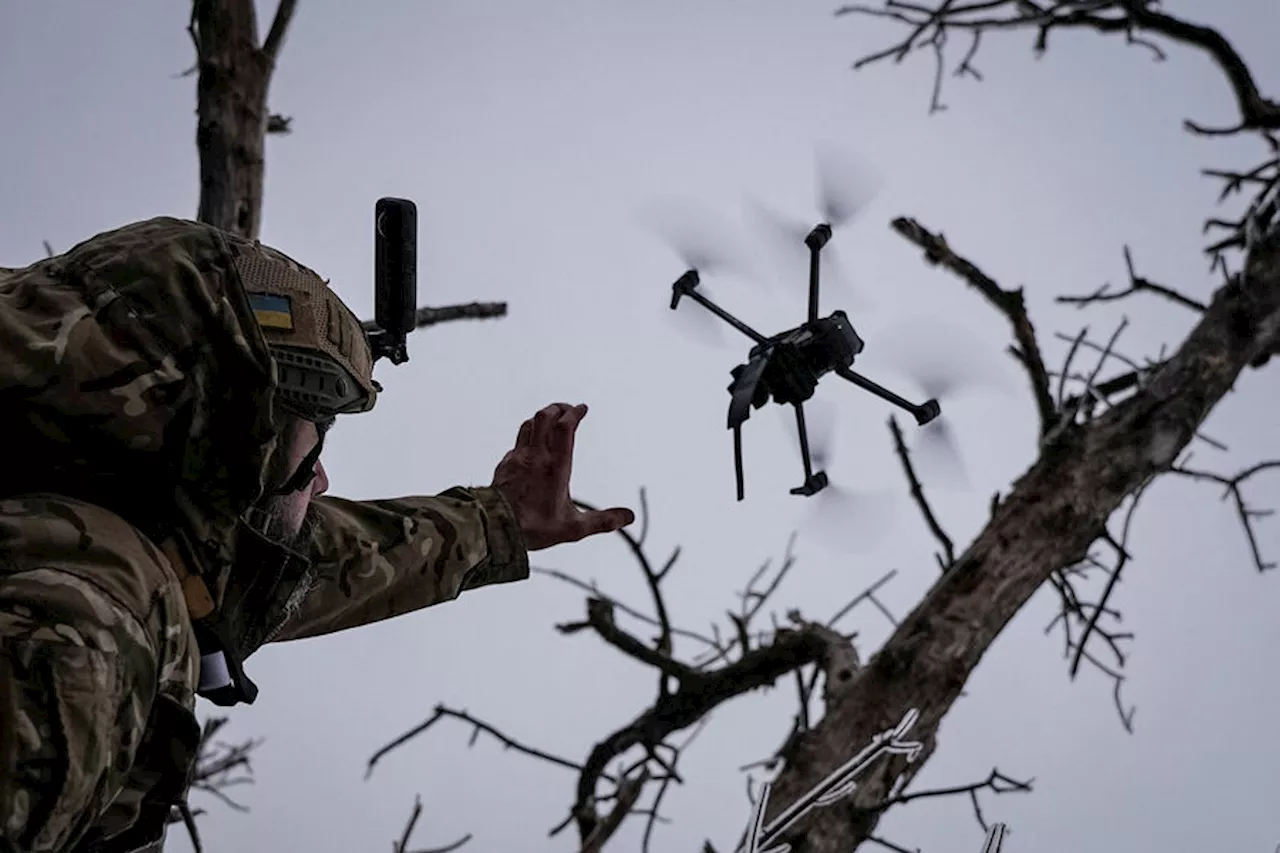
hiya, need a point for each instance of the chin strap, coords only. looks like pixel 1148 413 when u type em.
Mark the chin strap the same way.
pixel 306 471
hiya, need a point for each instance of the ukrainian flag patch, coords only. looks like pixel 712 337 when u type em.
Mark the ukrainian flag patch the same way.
pixel 272 311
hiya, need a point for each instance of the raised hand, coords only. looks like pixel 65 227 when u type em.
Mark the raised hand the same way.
pixel 534 478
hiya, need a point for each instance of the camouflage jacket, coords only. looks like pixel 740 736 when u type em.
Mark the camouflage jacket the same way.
pixel 135 396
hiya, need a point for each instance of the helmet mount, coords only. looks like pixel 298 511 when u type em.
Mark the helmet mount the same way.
pixel 323 354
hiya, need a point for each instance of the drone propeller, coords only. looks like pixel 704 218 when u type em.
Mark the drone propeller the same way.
pixel 839 517
pixel 945 364
pixel 707 245
pixel 846 185
pixel 845 188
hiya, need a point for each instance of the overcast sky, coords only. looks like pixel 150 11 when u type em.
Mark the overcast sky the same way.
pixel 530 134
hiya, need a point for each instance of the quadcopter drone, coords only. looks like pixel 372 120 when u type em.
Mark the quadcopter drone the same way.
pixel 786 367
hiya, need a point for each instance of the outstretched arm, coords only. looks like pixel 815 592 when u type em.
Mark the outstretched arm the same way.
pixel 383 558
pixel 378 559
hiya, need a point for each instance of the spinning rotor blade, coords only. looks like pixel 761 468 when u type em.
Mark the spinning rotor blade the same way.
pixel 945 364
pixel 699 237
pixel 704 242
pixel 943 359
pixel 936 454
pixel 838 517
pixel 849 521
pixel 781 242
pixel 846 185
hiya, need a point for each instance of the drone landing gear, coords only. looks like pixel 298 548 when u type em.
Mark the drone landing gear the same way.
pixel 814 481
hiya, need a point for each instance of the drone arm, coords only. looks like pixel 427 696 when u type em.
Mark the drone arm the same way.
pixel 685 286
pixel 816 239
pixel 923 412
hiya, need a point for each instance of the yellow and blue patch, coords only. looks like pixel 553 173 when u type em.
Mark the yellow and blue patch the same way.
pixel 272 311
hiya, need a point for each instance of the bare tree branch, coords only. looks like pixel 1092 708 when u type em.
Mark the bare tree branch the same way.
pixel 402 846
pixel 1010 303
pixel 1246 513
pixel 666 782
pixel 467 311
pixel 1126 17
pixel 653 579
pixel 628 793
pixel 440 713
pixel 996 782
pixel 948 555
pixel 1136 284
pixel 275 36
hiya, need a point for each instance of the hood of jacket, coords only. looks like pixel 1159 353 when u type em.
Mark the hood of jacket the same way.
pixel 134 375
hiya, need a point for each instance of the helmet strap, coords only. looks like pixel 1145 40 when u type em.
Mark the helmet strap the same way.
pixel 306 470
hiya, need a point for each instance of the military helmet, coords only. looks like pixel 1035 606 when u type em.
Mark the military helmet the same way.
pixel 323 360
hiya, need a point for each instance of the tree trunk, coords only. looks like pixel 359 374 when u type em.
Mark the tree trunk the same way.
pixel 1055 511
pixel 231 127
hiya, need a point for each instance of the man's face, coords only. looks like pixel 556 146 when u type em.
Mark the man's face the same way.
pixel 286 514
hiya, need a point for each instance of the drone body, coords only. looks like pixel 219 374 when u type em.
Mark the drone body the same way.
pixel 787 367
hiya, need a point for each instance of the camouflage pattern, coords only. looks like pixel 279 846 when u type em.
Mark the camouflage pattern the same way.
pixel 301 318
pixel 93 629
pixel 137 388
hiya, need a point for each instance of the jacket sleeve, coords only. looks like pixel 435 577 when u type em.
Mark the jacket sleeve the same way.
pixel 92 631
pixel 382 558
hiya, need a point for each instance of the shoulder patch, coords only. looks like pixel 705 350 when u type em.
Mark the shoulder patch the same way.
pixel 273 311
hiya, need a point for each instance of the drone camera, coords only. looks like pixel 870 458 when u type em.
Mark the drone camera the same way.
pixel 395 277
pixel 851 337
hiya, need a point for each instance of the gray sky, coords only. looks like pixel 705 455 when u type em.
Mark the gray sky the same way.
pixel 530 134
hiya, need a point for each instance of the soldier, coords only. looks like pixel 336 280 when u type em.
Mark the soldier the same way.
pixel 164 394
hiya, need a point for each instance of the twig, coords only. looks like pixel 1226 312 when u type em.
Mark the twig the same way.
pixel 628 793
pixel 600 618
pixel 1122 556
pixel 1010 303
pixel 189 821
pixel 653 579
pixel 1122 17
pixel 1246 514
pixel 1137 284
pixel 596 592
pixel 480 726
pixel 666 782
pixel 948 557
pixel 889 845
pixel 868 594
pixel 996 782
pixel 468 311
pixel 402 846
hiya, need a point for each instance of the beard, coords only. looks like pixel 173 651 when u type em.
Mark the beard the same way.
pixel 273 518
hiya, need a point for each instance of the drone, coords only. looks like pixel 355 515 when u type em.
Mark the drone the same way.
pixel 785 368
